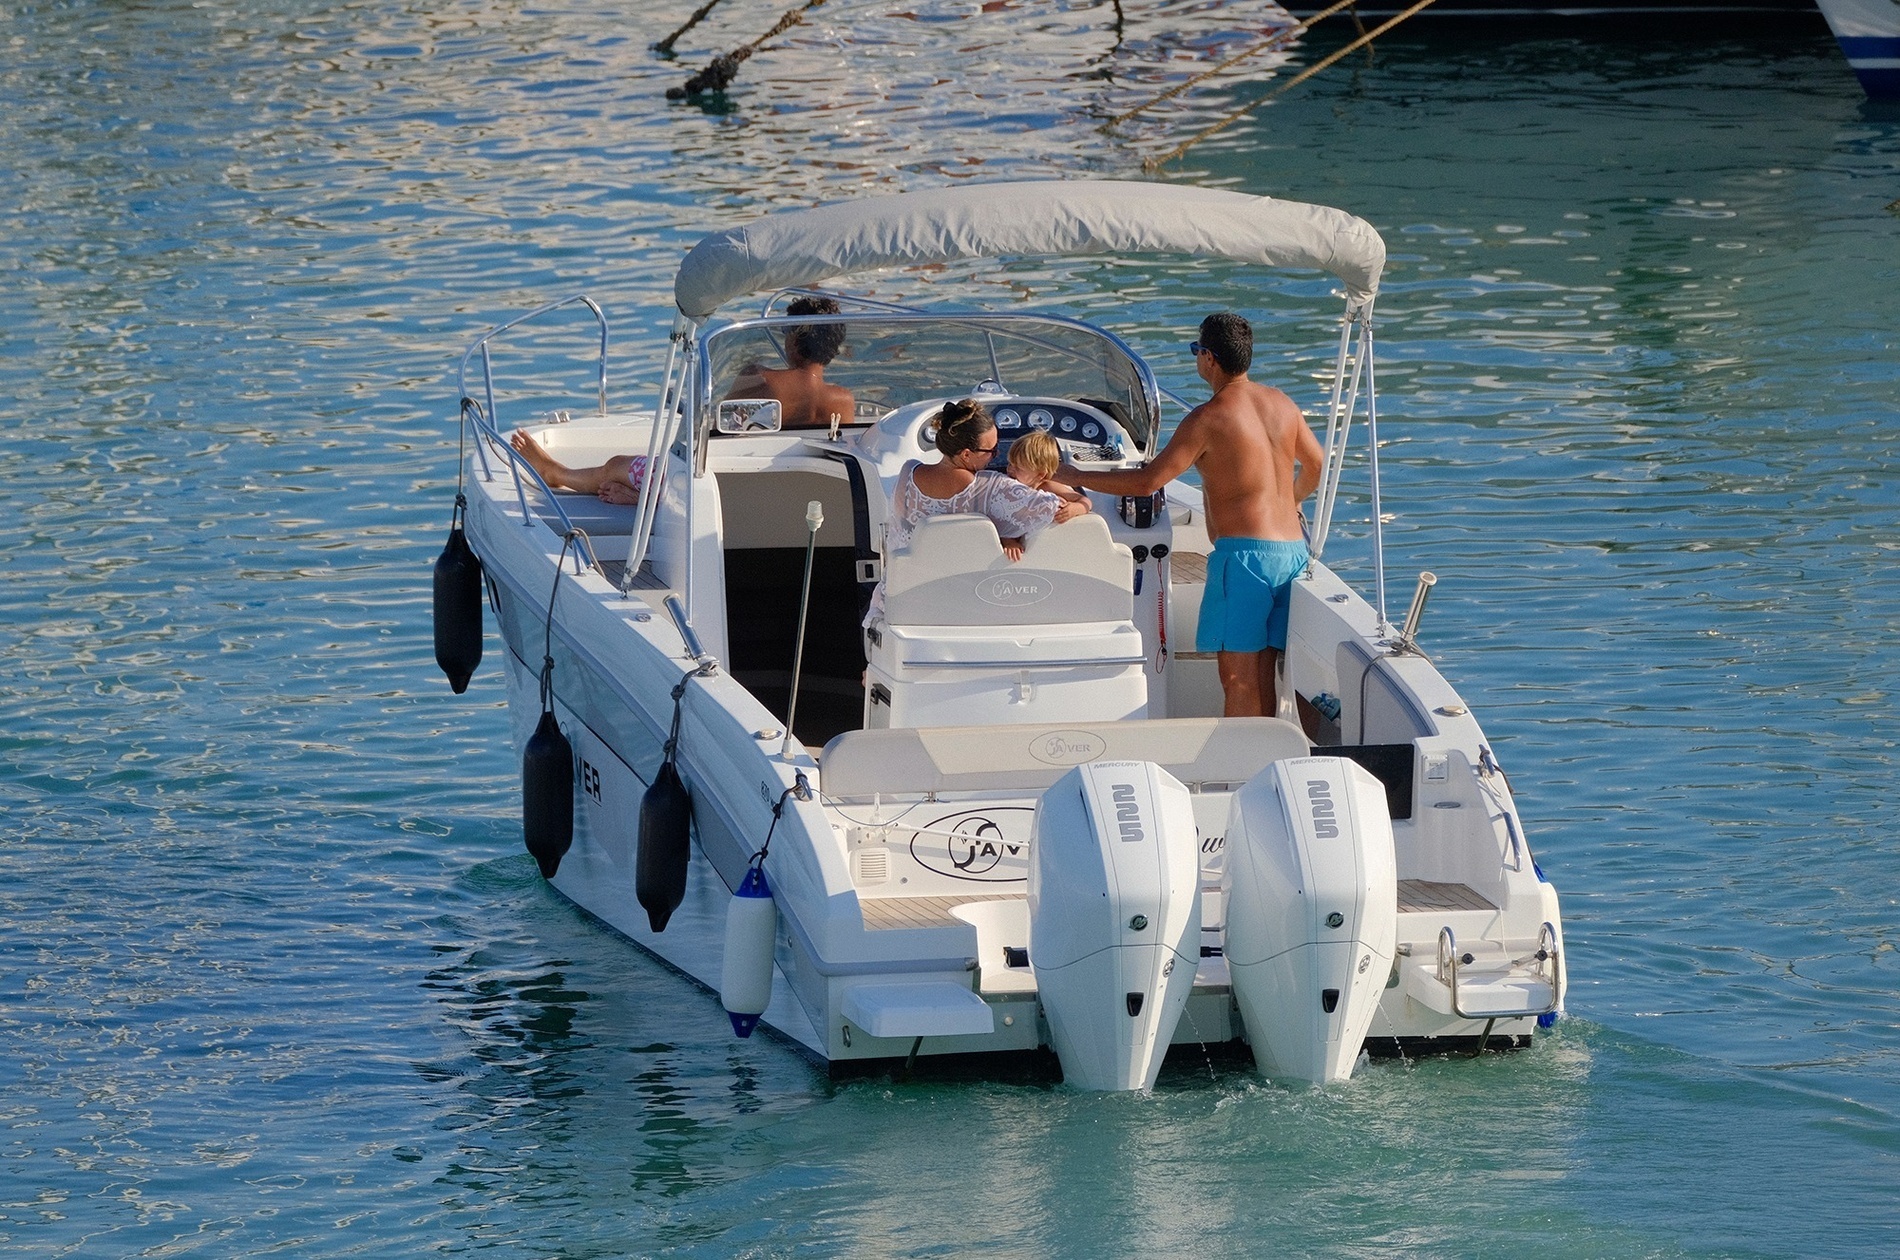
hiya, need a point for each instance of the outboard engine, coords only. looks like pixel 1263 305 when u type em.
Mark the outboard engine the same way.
pixel 1114 919
pixel 1312 913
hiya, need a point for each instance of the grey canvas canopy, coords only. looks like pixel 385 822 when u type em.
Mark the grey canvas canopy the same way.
pixel 1039 219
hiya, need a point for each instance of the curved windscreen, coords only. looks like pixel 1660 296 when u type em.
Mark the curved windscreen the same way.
pixel 887 361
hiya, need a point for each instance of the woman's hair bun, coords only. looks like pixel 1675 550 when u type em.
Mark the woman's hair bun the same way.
pixel 960 424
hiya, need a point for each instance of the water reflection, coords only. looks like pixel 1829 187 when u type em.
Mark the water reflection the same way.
pixel 277 976
pixel 563 1095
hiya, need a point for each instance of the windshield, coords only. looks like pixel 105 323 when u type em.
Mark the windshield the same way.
pixel 888 360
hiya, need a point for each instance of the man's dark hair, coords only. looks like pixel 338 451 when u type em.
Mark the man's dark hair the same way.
pixel 1229 338
pixel 814 343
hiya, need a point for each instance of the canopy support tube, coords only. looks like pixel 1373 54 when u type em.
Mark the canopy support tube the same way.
pixel 1338 438
pixel 665 423
pixel 1372 446
pixel 1323 507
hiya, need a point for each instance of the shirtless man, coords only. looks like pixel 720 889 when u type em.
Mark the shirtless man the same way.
pixel 807 399
pixel 1257 461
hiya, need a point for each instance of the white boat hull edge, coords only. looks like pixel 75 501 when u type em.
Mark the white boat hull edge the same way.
pixel 1114 919
pixel 1312 914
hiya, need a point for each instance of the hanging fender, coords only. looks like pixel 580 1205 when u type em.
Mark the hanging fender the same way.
pixel 547 795
pixel 666 816
pixel 547 762
pixel 745 976
pixel 458 605
pixel 666 824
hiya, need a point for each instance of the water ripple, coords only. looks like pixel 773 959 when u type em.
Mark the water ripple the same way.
pixel 275 974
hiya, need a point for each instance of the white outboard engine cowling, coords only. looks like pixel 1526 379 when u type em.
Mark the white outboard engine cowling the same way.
pixel 1312 913
pixel 1114 919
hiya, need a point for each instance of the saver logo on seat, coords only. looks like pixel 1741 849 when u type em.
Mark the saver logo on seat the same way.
pixel 1067 748
pixel 1014 590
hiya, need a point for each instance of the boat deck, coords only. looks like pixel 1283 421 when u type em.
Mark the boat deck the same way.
pixel 883 914
pixel 1421 896
pixel 644 580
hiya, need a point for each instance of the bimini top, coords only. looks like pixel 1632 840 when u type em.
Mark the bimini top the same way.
pixel 1036 219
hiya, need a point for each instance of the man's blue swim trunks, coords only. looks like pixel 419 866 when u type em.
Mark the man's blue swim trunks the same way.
pixel 1249 590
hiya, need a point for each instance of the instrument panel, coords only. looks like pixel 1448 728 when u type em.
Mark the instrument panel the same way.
pixel 1080 430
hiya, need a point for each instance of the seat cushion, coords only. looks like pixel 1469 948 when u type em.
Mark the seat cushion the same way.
pixel 1012 647
pixel 954 573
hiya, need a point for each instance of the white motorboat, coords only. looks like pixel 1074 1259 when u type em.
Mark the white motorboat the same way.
pixel 1869 34
pixel 1009 816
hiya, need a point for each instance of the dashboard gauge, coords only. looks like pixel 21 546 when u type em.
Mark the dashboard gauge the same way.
pixel 1042 420
pixel 1091 431
pixel 1067 425
pixel 1007 418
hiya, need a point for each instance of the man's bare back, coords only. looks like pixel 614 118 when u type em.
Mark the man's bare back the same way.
pixel 808 399
pixel 1257 461
pixel 1250 438
pixel 1246 441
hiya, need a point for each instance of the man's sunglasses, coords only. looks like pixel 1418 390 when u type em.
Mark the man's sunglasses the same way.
pixel 1195 348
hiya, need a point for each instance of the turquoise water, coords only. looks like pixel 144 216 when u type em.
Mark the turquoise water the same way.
pixel 275 974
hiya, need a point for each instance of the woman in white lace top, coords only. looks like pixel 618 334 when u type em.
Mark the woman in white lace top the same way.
pixel 958 483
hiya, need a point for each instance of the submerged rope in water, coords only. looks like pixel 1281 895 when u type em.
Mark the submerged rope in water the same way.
pixel 725 67
pixel 699 15
pixel 1236 115
pixel 1272 41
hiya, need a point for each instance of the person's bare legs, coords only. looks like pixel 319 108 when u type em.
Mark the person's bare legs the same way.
pixel 1270 682
pixel 608 480
pixel 1249 683
pixel 558 475
pixel 616 486
pixel 1240 678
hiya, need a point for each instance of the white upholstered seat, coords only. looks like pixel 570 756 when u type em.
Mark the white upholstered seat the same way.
pixel 967 637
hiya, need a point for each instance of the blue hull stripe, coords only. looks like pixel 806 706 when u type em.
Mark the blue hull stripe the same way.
pixel 1882 85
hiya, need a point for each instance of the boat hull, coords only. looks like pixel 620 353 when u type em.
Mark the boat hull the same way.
pixel 618 659
pixel 1869 35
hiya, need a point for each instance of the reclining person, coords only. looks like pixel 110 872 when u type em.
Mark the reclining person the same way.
pixel 616 481
pixel 807 399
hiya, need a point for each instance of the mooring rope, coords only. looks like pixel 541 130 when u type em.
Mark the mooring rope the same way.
pixel 1272 41
pixel 699 15
pixel 724 67
pixel 1236 115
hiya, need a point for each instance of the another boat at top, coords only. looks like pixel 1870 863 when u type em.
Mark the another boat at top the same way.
pixel 1009 817
pixel 1869 35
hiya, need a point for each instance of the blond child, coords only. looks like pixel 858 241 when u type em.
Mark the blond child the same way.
pixel 1033 460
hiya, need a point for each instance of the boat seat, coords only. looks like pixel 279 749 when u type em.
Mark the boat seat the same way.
pixel 954 573
pixel 590 512
pixel 967 636
pixel 1227 752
